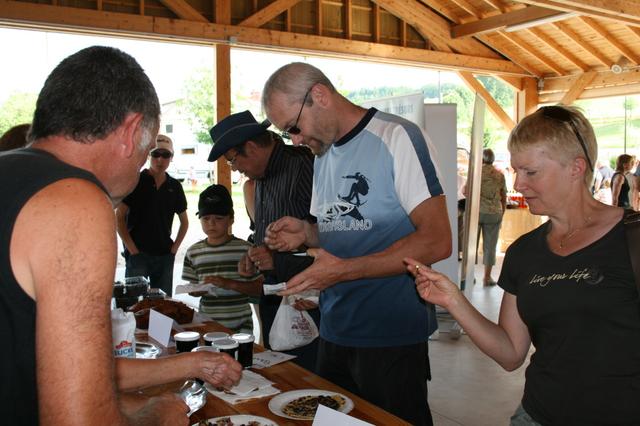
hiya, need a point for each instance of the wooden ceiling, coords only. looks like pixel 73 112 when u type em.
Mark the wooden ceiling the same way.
pixel 564 49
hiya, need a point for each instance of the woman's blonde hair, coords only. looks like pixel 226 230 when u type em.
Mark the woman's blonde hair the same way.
pixel 564 130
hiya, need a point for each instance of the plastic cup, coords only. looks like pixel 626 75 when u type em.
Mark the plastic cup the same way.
pixel 245 348
pixel 228 346
pixel 186 340
pixel 211 337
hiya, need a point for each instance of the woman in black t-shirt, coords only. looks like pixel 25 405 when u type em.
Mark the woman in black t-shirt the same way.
pixel 569 286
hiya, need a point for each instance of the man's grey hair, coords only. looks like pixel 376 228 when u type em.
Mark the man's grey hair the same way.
pixel 294 80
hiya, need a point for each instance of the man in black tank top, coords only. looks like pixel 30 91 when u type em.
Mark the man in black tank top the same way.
pixel 95 120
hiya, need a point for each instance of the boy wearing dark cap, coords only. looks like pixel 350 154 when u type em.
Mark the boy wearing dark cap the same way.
pixel 214 260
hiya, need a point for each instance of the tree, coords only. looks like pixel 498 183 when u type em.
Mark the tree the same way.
pixel 198 103
pixel 17 109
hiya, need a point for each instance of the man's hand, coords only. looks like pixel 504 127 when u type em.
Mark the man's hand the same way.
pixel 304 305
pixel 325 271
pixel 219 369
pixel 285 234
pixel 165 410
pixel 246 268
pixel 261 257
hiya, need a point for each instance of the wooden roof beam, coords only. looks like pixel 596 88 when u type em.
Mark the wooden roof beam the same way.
pixel 624 11
pixel 559 49
pixel 617 45
pixel 578 87
pixel 468 7
pixel 493 106
pixel 505 47
pixel 184 10
pixel 539 56
pixel 267 13
pixel 439 6
pixel 501 21
pixel 433 27
pixel 496 5
pixel 71 18
pixel 567 31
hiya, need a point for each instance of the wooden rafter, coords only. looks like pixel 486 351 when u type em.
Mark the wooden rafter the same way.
pixel 515 39
pixel 561 50
pixel 495 4
pixel 578 87
pixel 625 11
pixel 433 27
pixel 440 7
pixel 503 20
pixel 567 31
pixel 505 47
pixel 615 43
pixel 635 30
pixel 184 10
pixel 319 17
pixel 267 13
pixel 468 7
pixel 493 106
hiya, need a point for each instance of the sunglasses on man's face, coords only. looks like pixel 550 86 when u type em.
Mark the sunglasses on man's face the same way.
pixel 561 114
pixel 163 154
pixel 295 130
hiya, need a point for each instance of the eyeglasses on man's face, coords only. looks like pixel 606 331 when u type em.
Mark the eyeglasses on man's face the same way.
pixel 231 161
pixel 561 114
pixel 159 153
pixel 295 130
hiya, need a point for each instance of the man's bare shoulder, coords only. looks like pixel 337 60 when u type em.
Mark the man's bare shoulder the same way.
pixel 61 220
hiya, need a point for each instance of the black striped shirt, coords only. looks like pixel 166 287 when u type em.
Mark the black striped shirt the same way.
pixel 285 189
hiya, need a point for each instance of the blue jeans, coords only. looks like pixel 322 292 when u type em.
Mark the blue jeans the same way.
pixel 521 418
pixel 159 269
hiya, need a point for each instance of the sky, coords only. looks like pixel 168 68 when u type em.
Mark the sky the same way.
pixel 30 55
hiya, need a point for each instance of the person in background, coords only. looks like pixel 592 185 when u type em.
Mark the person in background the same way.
pixel 462 203
pixel 15 137
pixel 214 260
pixel 95 121
pixel 145 219
pixel 282 175
pixel 569 287
pixel 375 328
pixel 620 185
pixel 633 190
pixel 602 182
pixel 493 203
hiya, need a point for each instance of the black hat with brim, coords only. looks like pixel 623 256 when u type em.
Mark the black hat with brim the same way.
pixel 233 131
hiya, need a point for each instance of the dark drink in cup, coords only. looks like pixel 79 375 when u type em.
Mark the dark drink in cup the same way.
pixel 245 348
pixel 228 346
pixel 186 340
pixel 211 337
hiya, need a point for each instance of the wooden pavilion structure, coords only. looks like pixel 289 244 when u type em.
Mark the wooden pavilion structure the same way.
pixel 549 51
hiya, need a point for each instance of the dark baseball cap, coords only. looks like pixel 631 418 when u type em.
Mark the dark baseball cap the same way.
pixel 215 200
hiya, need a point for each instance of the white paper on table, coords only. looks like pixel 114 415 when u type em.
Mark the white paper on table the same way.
pixel 250 382
pixel 268 358
pixel 234 399
pixel 188 288
pixel 325 416
pixel 160 327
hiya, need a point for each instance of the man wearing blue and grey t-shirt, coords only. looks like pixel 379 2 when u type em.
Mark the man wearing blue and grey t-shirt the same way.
pixel 377 199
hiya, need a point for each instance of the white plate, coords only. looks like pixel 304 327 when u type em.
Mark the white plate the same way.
pixel 278 402
pixel 239 419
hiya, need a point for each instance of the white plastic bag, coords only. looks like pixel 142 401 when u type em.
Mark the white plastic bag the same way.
pixel 291 328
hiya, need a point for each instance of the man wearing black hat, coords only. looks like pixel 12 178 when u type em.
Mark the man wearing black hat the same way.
pixel 283 175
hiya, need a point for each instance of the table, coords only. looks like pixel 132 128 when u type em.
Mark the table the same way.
pixel 287 376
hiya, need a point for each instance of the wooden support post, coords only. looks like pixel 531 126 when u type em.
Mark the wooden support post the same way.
pixel 527 98
pixel 223 86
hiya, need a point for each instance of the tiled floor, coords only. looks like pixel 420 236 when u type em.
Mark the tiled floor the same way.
pixel 468 388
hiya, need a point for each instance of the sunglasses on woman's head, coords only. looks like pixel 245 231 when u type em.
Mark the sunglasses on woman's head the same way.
pixel 163 154
pixel 561 114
